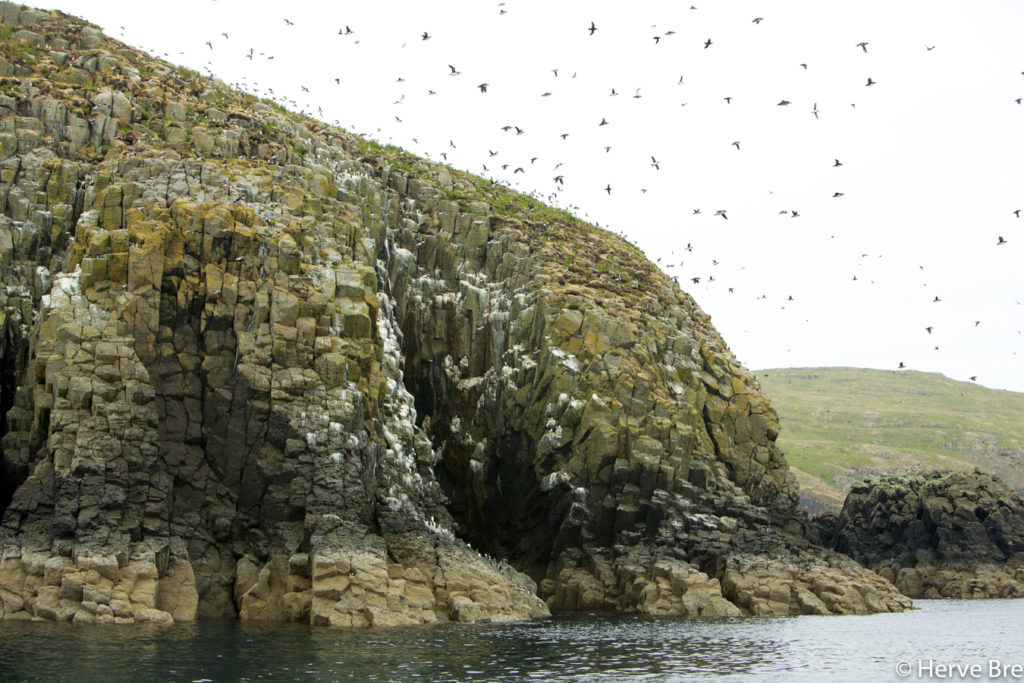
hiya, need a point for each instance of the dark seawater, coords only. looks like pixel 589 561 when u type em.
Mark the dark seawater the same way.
pixel 575 647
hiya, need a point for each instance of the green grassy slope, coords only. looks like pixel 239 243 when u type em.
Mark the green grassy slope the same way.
pixel 839 425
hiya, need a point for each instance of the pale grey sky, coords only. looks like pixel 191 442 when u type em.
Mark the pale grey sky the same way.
pixel 931 153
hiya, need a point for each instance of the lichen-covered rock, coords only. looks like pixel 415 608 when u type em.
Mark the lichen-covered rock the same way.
pixel 936 533
pixel 263 368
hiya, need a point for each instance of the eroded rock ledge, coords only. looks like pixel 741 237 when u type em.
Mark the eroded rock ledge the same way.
pixel 257 367
pixel 936 534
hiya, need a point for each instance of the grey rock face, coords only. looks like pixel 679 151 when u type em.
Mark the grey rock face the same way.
pixel 936 534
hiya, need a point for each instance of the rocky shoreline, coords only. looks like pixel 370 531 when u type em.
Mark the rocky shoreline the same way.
pixel 935 534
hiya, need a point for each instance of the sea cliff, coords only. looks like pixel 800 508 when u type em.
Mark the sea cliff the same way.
pixel 255 366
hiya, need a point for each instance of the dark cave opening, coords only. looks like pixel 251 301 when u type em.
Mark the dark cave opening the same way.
pixel 10 476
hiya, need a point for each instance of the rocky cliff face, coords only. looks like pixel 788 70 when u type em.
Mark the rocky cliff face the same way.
pixel 255 366
pixel 936 534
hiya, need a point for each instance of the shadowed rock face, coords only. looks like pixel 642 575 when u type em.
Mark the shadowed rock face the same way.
pixel 937 533
pixel 255 366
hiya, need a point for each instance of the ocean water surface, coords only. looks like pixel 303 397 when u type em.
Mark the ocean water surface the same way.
pixel 941 640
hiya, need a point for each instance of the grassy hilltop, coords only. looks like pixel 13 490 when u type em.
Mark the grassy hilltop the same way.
pixel 839 425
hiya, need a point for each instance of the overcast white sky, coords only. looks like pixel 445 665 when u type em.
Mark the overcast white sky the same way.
pixel 931 153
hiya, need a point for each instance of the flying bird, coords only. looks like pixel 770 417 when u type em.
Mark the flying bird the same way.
pixel 426 36
pixel 838 163
pixel 707 43
pixel 870 82
pixel 784 103
pixel 608 188
pixel 863 46
pixel 455 72
pixel 721 212
pixel 1001 241
pixel 736 144
pixel 592 28
pixel 289 22
pixel 758 20
pixel 483 87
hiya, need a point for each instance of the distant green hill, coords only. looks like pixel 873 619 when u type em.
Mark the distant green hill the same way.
pixel 839 425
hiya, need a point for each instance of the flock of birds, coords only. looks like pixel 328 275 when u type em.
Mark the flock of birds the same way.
pixel 499 168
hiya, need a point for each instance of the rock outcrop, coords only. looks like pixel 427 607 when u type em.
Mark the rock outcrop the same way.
pixel 936 534
pixel 254 366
